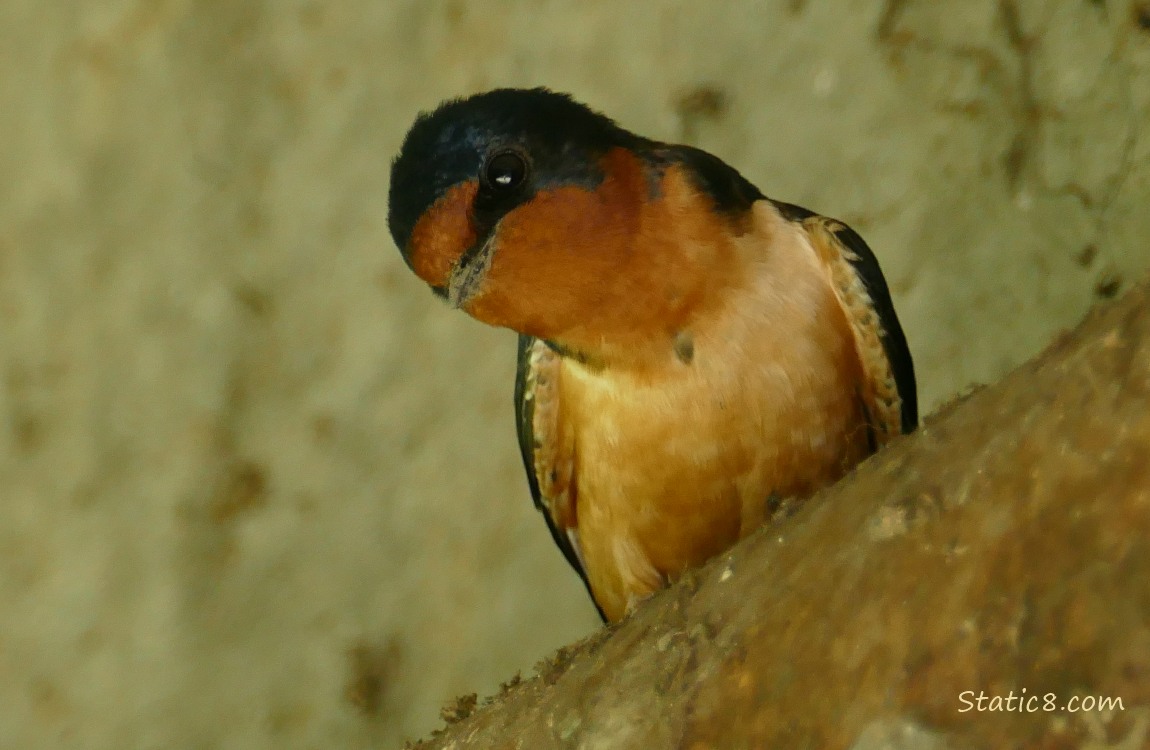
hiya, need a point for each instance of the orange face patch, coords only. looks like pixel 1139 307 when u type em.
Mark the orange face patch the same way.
pixel 547 262
pixel 443 234
pixel 559 254
pixel 614 268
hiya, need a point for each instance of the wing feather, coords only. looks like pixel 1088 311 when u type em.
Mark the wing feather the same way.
pixel 890 398
pixel 546 445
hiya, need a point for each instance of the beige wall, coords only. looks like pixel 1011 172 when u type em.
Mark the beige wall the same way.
pixel 259 489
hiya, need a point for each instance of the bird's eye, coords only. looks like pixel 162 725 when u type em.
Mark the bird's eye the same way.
pixel 505 171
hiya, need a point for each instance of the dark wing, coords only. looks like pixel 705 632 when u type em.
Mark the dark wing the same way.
pixel 865 267
pixel 541 451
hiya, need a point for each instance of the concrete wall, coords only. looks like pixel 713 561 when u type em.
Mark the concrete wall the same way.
pixel 259 489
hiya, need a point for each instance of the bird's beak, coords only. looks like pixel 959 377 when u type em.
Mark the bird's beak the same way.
pixel 469 271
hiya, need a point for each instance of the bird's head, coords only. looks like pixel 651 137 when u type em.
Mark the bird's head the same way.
pixel 525 209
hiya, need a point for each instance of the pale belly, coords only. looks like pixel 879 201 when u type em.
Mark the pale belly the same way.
pixel 673 468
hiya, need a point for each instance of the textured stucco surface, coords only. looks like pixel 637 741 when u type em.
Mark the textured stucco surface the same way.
pixel 258 488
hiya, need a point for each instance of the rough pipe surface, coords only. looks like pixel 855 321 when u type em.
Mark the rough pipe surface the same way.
pixel 1000 551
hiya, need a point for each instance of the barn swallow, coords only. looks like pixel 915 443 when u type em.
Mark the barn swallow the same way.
pixel 689 349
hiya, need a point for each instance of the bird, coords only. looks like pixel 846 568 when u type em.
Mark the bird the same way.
pixel 690 351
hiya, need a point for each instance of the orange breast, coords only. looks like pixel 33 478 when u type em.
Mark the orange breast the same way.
pixel 676 462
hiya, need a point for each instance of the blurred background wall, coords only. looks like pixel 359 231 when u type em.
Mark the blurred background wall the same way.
pixel 259 489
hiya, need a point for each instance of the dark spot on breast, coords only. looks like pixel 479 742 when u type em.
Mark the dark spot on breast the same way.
pixel 684 347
